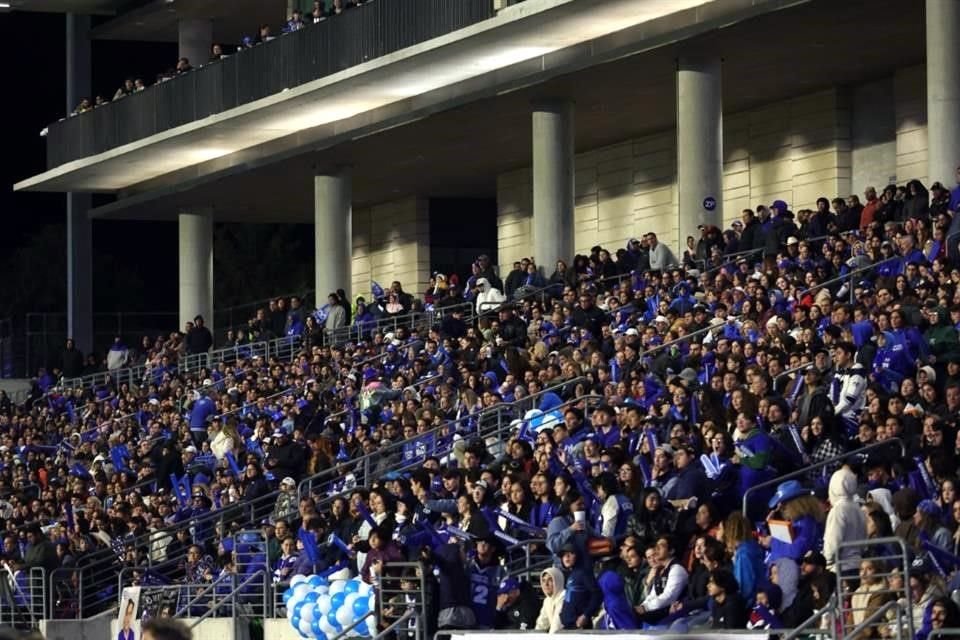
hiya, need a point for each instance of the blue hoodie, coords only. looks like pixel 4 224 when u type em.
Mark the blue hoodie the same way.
pixel 618 614
pixel 893 363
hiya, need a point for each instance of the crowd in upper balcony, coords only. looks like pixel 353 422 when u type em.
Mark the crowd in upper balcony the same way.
pixel 265 33
pixel 619 408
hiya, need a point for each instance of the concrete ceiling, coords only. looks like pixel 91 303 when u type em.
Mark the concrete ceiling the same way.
pixel 459 152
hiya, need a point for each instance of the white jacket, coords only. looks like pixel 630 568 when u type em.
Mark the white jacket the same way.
pixel 549 618
pixel 848 392
pixel 486 295
pixel 845 522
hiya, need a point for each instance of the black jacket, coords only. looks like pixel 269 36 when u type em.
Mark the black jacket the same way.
pixel 522 614
pixel 72 362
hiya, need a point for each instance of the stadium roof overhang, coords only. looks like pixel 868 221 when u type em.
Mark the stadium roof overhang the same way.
pixel 453 140
pixel 537 33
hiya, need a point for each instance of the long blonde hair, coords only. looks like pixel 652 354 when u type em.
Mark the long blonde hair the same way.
pixel 803 506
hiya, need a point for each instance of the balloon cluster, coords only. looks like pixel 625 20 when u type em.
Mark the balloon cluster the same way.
pixel 318 608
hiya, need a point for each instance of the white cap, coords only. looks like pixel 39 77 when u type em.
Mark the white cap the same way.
pixel 207 382
pixel 632 331
pixel 792 240
pixel 153 402
pixel 289 480
pixel 99 458
pixel 190 449
pixel 661 319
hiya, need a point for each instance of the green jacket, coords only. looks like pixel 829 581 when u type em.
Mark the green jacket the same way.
pixel 942 338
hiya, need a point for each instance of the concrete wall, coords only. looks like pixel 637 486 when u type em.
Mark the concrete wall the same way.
pixel 910 99
pixel 391 241
pixel 873 130
pixel 795 150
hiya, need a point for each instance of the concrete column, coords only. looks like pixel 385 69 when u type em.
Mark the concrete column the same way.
pixel 333 233
pixel 195 40
pixel 553 186
pixel 943 90
pixel 699 145
pixel 196 266
pixel 79 231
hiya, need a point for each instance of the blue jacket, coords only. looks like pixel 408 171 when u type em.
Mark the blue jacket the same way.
pixel 582 596
pixel 618 612
pixel 748 567
pixel 807 536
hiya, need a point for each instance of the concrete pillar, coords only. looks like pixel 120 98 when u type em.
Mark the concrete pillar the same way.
pixel 195 40
pixel 699 145
pixel 553 186
pixel 943 90
pixel 196 266
pixel 333 233
pixel 79 231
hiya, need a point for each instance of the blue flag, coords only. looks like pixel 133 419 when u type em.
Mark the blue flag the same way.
pixel 234 467
pixel 309 542
pixel 376 290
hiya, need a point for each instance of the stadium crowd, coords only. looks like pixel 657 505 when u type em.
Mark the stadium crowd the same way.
pixel 612 415
pixel 320 11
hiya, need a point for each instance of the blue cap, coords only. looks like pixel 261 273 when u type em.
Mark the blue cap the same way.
pixel 787 491
pixel 508 585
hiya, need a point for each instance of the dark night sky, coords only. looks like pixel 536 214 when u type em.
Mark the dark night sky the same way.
pixel 34 49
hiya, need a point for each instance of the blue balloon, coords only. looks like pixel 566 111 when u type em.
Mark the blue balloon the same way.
pixel 317 629
pixel 332 619
pixel 296 609
pixel 287 595
pixel 336 600
pixel 352 586
pixel 361 606
pixel 311 597
pixel 317 581
pixel 295 621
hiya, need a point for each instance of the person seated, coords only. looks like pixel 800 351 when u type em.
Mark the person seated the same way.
pixel 728 609
pixel 552 585
pixel 517 606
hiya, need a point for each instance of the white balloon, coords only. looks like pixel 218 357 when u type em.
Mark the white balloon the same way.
pixel 337 587
pixel 373 601
pixel 295 580
pixel 345 616
pixel 365 589
pixel 301 590
pixel 327 628
pixel 349 600
pixel 305 628
pixel 308 612
pixel 290 610
pixel 321 589
pixel 294 601
pixel 323 605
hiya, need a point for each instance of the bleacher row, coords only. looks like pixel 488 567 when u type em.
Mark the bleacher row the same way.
pixel 760 434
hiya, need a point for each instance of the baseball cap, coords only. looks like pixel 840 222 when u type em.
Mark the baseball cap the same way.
pixel 190 449
pixel 289 480
pixel 508 585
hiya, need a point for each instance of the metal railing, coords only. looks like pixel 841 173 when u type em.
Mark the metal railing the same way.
pixel 284 347
pixel 849 275
pixel 393 458
pixel 806 628
pixel 396 604
pixel 23 598
pixel 419 320
pixel 896 565
pixel 805 471
pixel 92 587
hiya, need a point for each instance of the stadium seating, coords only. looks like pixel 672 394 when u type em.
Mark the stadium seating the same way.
pixel 763 435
